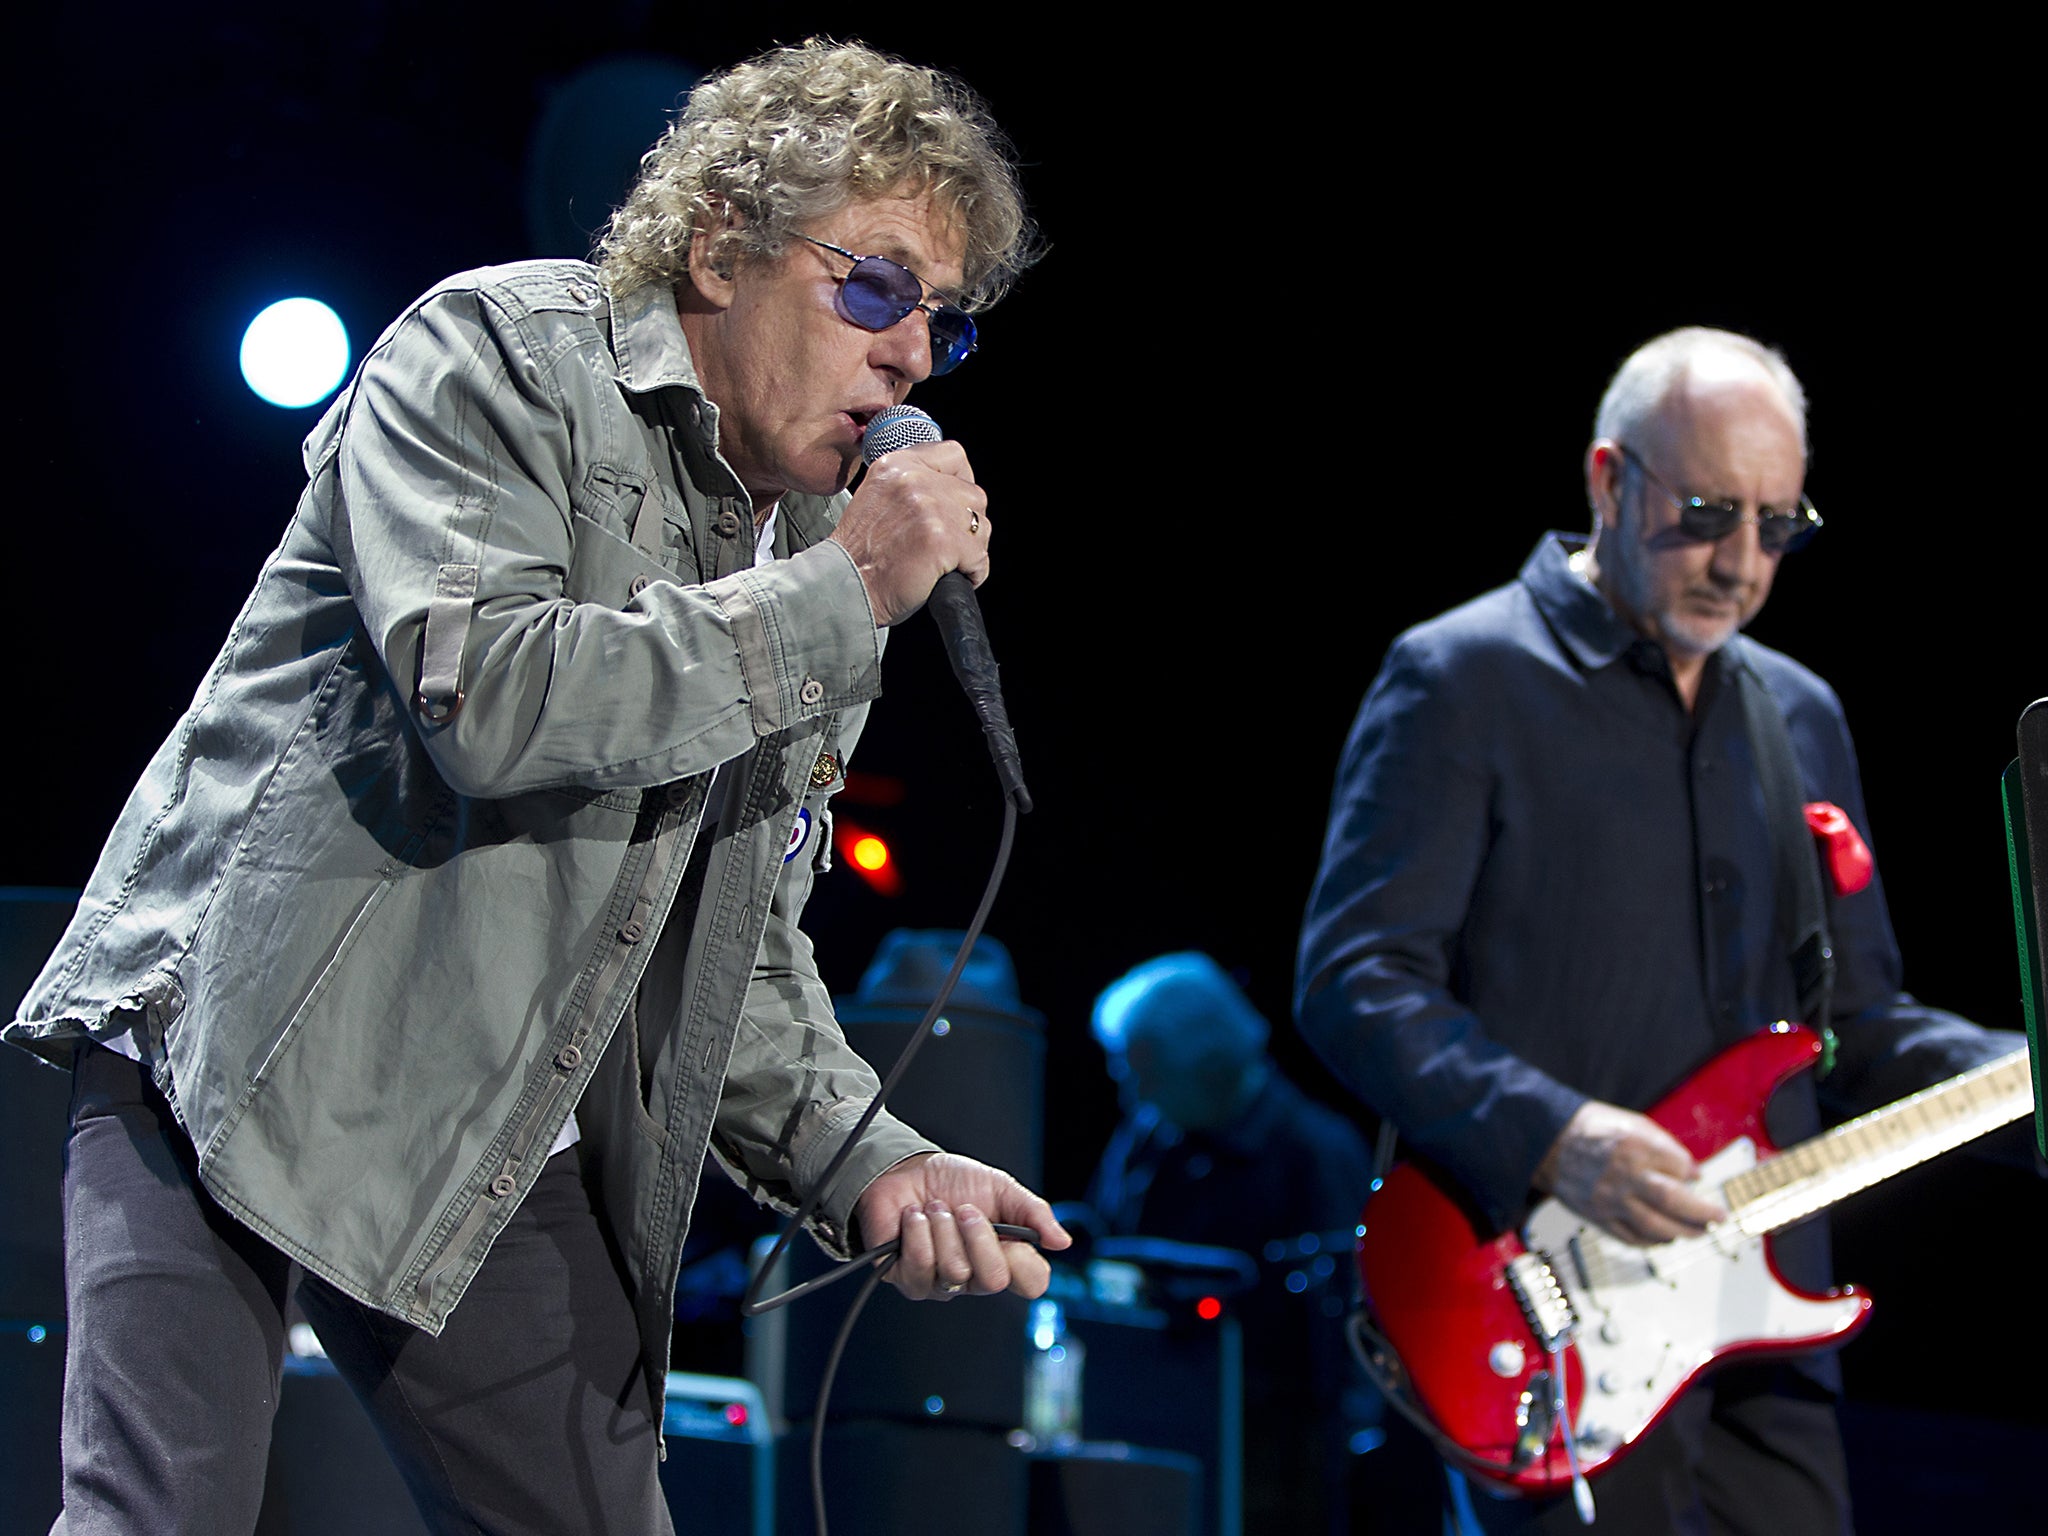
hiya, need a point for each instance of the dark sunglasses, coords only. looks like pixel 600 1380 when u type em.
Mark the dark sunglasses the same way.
pixel 1779 530
pixel 879 292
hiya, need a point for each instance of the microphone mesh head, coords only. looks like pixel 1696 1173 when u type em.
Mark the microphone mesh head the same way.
pixel 897 427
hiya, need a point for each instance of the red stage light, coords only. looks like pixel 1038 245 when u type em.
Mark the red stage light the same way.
pixel 735 1414
pixel 1208 1309
pixel 869 855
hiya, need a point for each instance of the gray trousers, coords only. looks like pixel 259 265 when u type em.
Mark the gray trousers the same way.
pixel 528 1414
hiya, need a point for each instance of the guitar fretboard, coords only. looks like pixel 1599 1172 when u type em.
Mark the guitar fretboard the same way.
pixel 1859 1153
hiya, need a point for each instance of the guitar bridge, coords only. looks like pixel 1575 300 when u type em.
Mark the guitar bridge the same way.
pixel 1545 1307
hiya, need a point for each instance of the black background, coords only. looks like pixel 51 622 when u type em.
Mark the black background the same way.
pixel 1313 356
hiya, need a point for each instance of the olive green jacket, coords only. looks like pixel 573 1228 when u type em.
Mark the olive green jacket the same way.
pixel 378 906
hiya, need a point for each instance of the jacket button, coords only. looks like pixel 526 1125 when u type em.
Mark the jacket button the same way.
pixel 631 932
pixel 812 691
pixel 502 1186
pixel 639 584
pixel 728 523
pixel 569 1058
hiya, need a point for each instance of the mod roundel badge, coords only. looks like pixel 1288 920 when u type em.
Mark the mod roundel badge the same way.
pixel 799 834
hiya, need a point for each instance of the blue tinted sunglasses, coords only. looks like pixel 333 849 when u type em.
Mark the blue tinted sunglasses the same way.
pixel 879 292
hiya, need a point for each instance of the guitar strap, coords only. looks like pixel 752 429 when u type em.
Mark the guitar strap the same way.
pixel 1801 897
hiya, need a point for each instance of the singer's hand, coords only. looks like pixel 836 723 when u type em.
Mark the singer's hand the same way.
pixel 941 1205
pixel 917 515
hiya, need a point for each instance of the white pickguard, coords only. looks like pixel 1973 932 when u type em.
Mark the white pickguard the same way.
pixel 1650 1317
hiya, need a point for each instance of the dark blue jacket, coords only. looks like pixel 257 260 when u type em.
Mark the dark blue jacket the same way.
pixel 1545 881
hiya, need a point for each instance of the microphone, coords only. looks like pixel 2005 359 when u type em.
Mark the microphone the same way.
pixel 957 613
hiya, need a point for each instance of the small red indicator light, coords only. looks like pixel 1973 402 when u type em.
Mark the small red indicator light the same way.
pixel 735 1413
pixel 1208 1309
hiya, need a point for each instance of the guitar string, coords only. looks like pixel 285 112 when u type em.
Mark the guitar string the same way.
pixel 2006 1078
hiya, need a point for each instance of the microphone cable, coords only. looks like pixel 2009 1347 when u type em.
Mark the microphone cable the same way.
pixel 875 1260
pixel 954 608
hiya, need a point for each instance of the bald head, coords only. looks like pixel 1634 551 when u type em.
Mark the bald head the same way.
pixel 1724 427
pixel 1694 355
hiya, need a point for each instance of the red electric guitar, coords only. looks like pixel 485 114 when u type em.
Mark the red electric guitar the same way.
pixel 1473 1330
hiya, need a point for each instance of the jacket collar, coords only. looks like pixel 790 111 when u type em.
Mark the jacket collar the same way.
pixel 647 341
pixel 652 353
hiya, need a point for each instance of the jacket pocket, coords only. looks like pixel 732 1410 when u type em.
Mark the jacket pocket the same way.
pixel 272 1047
pixel 607 569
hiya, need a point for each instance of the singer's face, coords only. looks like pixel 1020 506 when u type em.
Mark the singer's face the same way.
pixel 795 384
pixel 1724 434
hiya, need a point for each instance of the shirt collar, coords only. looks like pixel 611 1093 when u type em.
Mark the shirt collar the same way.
pixel 1580 615
pixel 1574 609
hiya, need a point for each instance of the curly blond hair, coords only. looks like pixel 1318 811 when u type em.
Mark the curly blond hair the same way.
pixel 800 132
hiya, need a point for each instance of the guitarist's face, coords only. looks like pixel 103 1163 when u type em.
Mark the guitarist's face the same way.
pixel 1724 433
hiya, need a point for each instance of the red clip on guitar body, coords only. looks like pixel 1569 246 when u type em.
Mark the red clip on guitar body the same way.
pixel 1847 855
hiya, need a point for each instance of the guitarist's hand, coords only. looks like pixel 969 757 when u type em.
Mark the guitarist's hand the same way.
pixel 1627 1173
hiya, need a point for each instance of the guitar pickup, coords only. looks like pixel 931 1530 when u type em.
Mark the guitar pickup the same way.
pixel 1545 1307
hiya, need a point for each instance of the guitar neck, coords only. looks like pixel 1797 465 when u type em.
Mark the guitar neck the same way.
pixel 1815 1174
